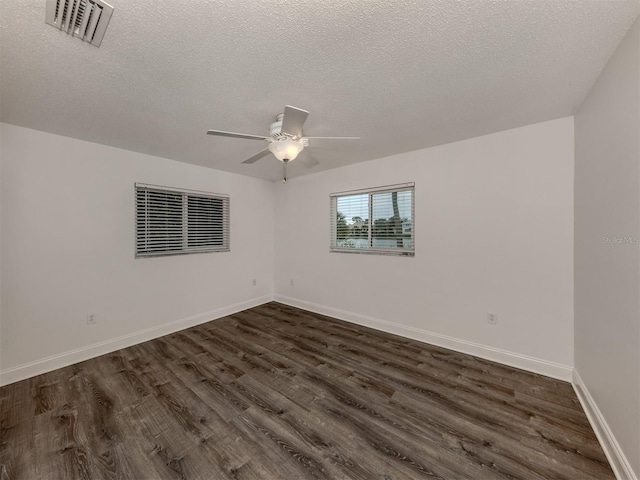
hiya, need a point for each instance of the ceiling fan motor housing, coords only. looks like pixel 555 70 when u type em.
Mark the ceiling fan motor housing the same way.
pixel 284 146
pixel 276 127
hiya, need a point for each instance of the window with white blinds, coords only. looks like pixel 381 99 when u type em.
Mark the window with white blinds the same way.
pixel 171 221
pixel 376 220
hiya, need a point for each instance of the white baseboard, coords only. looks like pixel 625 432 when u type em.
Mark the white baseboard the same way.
pixel 617 459
pixel 532 364
pixel 37 367
pixel 551 369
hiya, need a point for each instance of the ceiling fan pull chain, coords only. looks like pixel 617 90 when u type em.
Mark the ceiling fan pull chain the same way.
pixel 284 171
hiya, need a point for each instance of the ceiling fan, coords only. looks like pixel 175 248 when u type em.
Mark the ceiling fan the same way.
pixel 286 140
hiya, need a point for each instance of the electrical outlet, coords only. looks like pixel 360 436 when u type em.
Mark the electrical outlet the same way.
pixel 492 318
pixel 255 282
pixel 91 318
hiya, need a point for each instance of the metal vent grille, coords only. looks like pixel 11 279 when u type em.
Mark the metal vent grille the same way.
pixel 87 19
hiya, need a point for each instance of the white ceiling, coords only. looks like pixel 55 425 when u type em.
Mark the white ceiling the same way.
pixel 402 75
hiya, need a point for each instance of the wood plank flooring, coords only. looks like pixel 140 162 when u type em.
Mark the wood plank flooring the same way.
pixel 275 392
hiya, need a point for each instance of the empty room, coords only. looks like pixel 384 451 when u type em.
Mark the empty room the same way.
pixel 320 240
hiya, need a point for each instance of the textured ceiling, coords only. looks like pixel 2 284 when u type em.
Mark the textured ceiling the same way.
pixel 402 75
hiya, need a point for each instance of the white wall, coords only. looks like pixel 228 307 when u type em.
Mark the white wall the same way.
pixel 607 275
pixel 494 232
pixel 1 150
pixel 68 249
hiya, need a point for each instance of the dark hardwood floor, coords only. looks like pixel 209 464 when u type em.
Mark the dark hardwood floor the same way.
pixel 275 392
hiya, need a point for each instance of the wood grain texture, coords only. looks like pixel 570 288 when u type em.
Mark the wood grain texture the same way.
pixel 276 392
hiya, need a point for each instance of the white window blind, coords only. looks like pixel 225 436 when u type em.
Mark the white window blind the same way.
pixel 377 220
pixel 171 221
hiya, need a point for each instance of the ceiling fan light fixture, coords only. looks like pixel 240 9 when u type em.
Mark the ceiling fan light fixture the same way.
pixel 285 149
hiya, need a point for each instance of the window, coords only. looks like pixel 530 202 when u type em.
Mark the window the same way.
pixel 376 220
pixel 170 221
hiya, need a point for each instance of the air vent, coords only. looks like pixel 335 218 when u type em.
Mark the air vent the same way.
pixel 87 19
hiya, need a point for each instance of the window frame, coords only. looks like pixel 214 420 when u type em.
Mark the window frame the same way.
pixel 142 225
pixel 371 192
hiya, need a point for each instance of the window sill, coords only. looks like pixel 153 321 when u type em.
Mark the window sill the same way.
pixel 180 252
pixel 373 251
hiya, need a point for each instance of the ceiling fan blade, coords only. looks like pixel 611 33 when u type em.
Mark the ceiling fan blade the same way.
pixel 293 120
pixel 220 133
pixel 307 160
pixel 257 156
pixel 333 142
